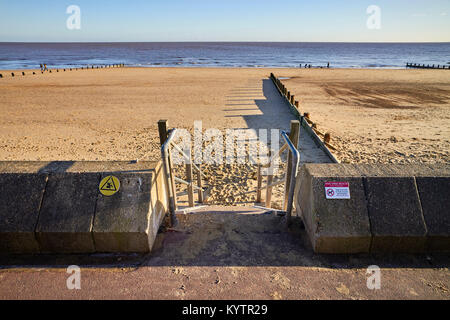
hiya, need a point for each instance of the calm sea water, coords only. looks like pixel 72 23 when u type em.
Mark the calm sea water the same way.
pixel 215 54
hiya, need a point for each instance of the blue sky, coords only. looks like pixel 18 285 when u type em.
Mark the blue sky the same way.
pixel 225 20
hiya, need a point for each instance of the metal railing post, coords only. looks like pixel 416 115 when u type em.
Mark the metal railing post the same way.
pixel 172 191
pixel 294 137
pixel 295 164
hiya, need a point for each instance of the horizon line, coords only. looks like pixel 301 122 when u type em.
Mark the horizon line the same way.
pixel 220 41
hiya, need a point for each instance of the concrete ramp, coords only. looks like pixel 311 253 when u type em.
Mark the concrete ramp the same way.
pixel 375 208
pixel 72 207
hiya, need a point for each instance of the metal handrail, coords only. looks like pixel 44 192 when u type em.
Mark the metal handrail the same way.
pixel 295 166
pixel 170 186
pixel 290 183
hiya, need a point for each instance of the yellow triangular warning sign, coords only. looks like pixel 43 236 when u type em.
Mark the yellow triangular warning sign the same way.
pixel 109 185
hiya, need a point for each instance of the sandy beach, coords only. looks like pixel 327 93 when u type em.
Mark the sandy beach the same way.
pixel 379 116
pixel 111 114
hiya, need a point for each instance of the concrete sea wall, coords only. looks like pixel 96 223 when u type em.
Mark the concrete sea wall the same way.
pixel 58 207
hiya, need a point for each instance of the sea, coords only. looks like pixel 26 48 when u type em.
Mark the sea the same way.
pixel 223 54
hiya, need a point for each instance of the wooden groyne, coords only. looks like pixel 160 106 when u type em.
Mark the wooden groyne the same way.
pixel 426 66
pixel 121 65
pixel 305 120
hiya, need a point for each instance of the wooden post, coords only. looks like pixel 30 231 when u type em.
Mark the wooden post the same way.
pixel 269 189
pixel 190 187
pixel 23 73
pixel 12 74
pixel 296 104
pixel 289 95
pixel 162 129
pixel 259 185
pixel 292 99
pixel 269 182
pixel 199 184
pixel 327 137
pixel 294 136
pixel 306 115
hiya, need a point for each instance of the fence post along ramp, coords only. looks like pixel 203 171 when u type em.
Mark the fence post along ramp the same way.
pixel 305 121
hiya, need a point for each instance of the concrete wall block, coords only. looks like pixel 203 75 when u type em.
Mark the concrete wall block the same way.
pixel 67 213
pixel 20 201
pixel 434 195
pixel 395 214
pixel 333 226
pixel 159 203
pixel 122 221
pixel 342 225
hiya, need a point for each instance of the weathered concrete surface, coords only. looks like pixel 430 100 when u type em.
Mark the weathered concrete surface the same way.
pixel 435 199
pixel 333 225
pixel 400 221
pixel 57 216
pixel 129 220
pixel 67 213
pixel 20 200
pixel 122 220
pixel 395 213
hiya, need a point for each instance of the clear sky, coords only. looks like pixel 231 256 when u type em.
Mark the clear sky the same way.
pixel 225 20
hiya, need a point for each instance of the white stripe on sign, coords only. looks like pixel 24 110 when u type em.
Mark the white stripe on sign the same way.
pixel 337 190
